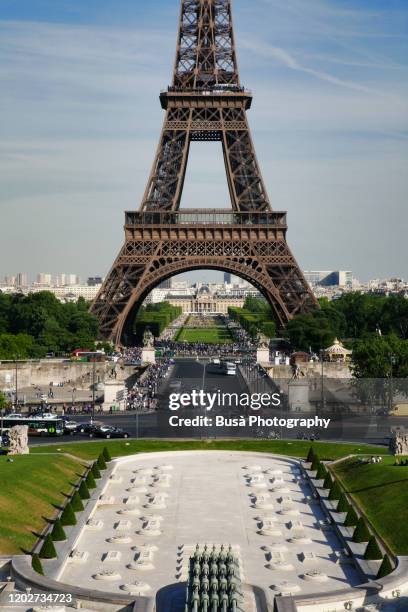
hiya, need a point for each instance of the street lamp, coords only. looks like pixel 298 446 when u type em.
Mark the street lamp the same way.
pixel 321 352
pixel 393 361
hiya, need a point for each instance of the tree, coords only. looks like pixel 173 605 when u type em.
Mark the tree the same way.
pixel 321 472
pixel 83 490
pixel 101 462
pixel 68 516
pixel 373 552
pixel 371 357
pixel 90 480
pixel 36 564
pixel 58 533
pixel 3 401
pixel 47 550
pixel 351 518
pixel 106 454
pixel 328 482
pixel 315 463
pixel 385 567
pixel 343 505
pixel 310 455
pixel 76 502
pixel 95 471
pixel 335 491
pixel 361 532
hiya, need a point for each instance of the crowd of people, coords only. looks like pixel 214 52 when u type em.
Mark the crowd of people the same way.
pixel 143 395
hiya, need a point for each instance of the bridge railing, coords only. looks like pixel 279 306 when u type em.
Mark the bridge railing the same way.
pixel 205 217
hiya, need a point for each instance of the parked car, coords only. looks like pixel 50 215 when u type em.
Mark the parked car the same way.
pixel 88 429
pixel 70 427
pixel 111 432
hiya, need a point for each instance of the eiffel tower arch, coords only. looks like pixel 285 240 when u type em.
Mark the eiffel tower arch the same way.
pixel 206 102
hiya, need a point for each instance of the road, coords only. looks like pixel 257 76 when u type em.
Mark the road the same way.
pixel 201 375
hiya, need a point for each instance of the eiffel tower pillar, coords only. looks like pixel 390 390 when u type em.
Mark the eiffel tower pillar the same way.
pixel 205 102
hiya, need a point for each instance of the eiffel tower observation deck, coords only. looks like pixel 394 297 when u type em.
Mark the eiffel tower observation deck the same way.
pixel 205 102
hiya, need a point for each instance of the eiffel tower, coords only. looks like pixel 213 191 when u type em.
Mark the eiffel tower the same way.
pixel 206 102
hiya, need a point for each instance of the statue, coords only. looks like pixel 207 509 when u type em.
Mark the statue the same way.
pixel 399 443
pixel 261 340
pixel 18 437
pixel 148 339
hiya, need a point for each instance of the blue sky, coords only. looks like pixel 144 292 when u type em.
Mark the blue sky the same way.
pixel 81 121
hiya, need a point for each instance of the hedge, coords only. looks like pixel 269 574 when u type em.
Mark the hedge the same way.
pixel 315 464
pixel 76 502
pixel 310 455
pixel 328 482
pixel 101 463
pixel 351 518
pixel 343 505
pixel 361 532
pixel 68 516
pixel 95 471
pixel 373 552
pixel 321 472
pixel 335 491
pixel 106 454
pixel 83 490
pixel 385 567
pixel 36 564
pixel 48 549
pixel 90 480
pixel 58 533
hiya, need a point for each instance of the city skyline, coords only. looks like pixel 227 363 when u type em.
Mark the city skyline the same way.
pixel 329 83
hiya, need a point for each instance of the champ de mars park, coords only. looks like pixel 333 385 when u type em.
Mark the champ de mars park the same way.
pixel 240 448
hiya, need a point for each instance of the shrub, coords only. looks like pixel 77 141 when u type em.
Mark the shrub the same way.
pixel 83 490
pixel 90 481
pixel 76 502
pixel 361 533
pixel 36 564
pixel 373 552
pixel 328 482
pixel 321 472
pixel 343 505
pixel 385 567
pixel 68 516
pixel 351 518
pixel 101 462
pixel 48 549
pixel 310 455
pixel 335 491
pixel 58 533
pixel 106 454
pixel 315 463
pixel 95 471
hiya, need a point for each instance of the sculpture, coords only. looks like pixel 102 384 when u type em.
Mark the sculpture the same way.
pixel 148 339
pixel 18 437
pixel 399 443
pixel 261 340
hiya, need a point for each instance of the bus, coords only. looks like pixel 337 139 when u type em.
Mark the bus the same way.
pixel 228 368
pixel 37 426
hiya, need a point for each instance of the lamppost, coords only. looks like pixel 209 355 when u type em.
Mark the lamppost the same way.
pixel 93 391
pixel 393 361
pixel 72 399
pixel 321 352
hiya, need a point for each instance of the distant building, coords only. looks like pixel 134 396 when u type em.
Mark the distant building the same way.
pixel 166 284
pixel 44 279
pixel 327 278
pixel 93 281
pixel 21 280
pixel 10 281
pixel 205 300
pixel 70 293
pixel 227 278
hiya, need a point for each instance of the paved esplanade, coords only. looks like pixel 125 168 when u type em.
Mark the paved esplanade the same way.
pixel 157 507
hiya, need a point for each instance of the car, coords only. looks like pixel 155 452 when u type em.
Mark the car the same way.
pixel 87 428
pixel 15 415
pixel 47 415
pixel 70 427
pixel 111 432
pixel 216 361
pixel 175 384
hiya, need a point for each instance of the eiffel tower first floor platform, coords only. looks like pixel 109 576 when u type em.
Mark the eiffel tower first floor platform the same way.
pixel 158 245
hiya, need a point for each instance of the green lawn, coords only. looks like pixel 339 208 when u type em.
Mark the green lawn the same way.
pixel 296 448
pixel 381 491
pixel 30 486
pixel 205 335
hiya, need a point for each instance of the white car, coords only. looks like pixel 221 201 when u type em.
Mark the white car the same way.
pixel 175 384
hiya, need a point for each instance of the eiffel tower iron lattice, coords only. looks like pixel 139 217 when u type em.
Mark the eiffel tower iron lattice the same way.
pixel 205 102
